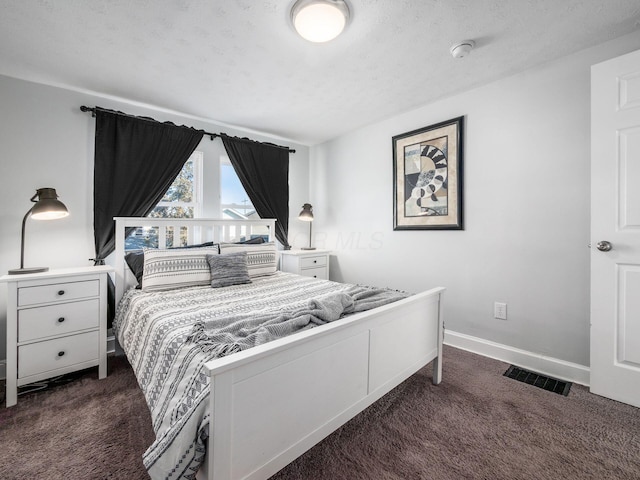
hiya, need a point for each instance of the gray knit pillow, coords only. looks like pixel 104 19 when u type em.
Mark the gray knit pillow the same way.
pixel 261 259
pixel 228 269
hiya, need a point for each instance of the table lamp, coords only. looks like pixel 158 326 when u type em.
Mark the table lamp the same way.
pixel 47 207
pixel 306 215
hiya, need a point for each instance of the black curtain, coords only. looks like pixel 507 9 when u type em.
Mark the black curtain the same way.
pixel 263 170
pixel 136 161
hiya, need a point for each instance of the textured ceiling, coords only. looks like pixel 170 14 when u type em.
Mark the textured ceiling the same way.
pixel 240 62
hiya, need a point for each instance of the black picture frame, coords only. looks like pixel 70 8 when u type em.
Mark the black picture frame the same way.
pixel 428 177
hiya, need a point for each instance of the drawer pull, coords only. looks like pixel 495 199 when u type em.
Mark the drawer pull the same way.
pixel 60 292
pixel 61 319
pixel 315 276
pixel 315 261
pixel 61 354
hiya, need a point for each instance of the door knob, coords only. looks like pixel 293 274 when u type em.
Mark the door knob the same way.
pixel 604 246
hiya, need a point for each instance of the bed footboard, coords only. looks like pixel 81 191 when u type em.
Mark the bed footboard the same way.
pixel 271 403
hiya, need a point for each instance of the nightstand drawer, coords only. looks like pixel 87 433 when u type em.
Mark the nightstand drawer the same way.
pixel 58 319
pixel 318 272
pixel 41 357
pixel 57 292
pixel 309 262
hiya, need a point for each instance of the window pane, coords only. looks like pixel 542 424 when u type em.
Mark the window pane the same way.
pixel 172 212
pixel 141 238
pixel 181 190
pixel 232 194
pixel 148 237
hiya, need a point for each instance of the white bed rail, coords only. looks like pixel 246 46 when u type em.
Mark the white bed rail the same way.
pixel 197 230
pixel 273 402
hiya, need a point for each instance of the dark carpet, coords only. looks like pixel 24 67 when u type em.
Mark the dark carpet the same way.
pixel 477 424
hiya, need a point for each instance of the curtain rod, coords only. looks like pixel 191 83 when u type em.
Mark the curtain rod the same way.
pixel 85 109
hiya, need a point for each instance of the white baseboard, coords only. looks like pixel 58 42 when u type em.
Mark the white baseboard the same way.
pixel 3 369
pixel 550 366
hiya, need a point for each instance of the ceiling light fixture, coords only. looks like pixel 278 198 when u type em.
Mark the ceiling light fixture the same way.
pixel 462 49
pixel 319 20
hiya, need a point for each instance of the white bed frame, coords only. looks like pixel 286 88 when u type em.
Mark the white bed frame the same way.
pixel 273 402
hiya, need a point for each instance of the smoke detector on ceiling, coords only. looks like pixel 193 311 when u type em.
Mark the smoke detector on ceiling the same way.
pixel 462 49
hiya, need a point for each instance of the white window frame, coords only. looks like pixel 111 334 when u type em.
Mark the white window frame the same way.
pixel 197 158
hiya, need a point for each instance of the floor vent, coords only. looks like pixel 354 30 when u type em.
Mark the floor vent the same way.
pixel 537 380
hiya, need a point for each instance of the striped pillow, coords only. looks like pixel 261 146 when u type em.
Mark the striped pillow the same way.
pixel 228 269
pixel 169 269
pixel 261 259
pixel 135 259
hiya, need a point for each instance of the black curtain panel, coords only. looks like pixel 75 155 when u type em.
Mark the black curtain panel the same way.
pixel 136 161
pixel 263 170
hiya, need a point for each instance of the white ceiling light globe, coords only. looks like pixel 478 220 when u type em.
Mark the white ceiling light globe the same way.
pixel 319 21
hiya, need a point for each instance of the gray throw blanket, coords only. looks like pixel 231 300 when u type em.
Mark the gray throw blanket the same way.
pixel 234 333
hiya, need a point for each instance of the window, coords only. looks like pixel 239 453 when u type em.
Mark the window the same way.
pixel 182 199
pixel 234 201
pixel 184 196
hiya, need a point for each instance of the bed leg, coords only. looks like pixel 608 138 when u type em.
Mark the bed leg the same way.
pixel 437 370
pixel 220 434
pixel 437 362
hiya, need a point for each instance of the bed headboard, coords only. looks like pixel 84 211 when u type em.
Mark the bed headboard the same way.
pixel 176 230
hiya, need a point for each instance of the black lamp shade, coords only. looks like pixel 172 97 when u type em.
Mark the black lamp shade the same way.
pixel 47 207
pixel 306 215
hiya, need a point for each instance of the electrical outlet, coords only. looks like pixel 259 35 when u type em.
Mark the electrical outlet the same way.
pixel 500 310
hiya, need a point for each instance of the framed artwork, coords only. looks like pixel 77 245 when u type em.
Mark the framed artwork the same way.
pixel 427 177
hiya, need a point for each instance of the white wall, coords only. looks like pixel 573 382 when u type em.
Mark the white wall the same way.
pixel 46 141
pixel 526 208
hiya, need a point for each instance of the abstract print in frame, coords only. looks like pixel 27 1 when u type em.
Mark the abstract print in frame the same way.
pixel 427 177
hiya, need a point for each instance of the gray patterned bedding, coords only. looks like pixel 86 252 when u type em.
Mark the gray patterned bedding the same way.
pixel 156 331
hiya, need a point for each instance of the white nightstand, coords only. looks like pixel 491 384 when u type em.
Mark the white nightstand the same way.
pixel 310 263
pixel 56 324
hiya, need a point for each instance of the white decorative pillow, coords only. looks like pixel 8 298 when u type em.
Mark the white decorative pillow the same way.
pixel 168 269
pixel 261 258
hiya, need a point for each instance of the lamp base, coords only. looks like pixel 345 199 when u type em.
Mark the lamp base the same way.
pixel 22 271
pixel 307 248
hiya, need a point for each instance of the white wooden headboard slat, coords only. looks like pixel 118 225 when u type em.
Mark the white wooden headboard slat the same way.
pixel 198 230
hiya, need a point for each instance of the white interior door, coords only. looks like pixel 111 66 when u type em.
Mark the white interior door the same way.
pixel 615 218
